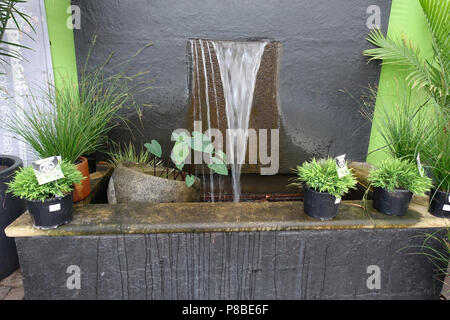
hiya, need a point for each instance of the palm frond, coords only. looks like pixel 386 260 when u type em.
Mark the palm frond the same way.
pixel 9 11
pixel 400 52
pixel 431 74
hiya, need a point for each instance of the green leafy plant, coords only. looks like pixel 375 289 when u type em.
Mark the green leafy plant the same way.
pixel 437 155
pixel 394 174
pixel 430 74
pixel 74 119
pixel 181 149
pixel 405 128
pixel 437 249
pixel 9 12
pixel 321 175
pixel 25 184
pixel 129 155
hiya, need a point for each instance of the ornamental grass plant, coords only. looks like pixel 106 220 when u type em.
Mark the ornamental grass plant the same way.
pixel 321 175
pixel 394 174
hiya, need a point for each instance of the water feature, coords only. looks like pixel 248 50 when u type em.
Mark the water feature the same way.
pixel 238 62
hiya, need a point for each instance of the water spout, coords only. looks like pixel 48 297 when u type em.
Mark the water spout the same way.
pixel 239 64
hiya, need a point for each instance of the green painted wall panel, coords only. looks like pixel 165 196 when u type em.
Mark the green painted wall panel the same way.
pixel 406 18
pixel 62 42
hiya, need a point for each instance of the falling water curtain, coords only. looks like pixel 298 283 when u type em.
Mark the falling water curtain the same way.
pixel 25 75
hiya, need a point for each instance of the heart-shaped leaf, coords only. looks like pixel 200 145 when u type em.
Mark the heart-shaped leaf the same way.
pixel 218 168
pixel 154 148
pixel 180 152
pixel 181 137
pixel 201 142
pixel 180 166
pixel 190 179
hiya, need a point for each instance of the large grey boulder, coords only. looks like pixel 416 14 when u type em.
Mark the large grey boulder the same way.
pixel 137 184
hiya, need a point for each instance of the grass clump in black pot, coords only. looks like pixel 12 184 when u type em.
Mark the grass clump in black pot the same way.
pixel 437 158
pixel 323 188
pixel 394 182
pixel 49 204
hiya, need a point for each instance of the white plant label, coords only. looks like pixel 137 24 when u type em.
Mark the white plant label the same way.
pixel 419 165
pixel 54 207
pixel 48 169
pixel 341 166
pixel 446 207
pixel 337 201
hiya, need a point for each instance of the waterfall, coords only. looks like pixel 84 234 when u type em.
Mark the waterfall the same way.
pixel 239 64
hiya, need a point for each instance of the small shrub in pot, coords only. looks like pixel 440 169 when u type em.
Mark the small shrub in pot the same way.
pixel 49 204
pixel 394 182
pixel 323 188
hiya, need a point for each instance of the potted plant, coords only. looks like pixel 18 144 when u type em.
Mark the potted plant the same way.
pixel 437 156
pixel 142 177
pixel 49 204
pixel 73 119
pixel 10 209
pixel 394 182
pixel 322 186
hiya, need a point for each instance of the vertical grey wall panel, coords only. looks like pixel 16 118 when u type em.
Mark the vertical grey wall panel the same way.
pixel 321 41
pixel 327 264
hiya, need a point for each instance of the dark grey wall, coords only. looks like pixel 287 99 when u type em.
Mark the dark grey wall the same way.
pixel 322 42
pixel 302 264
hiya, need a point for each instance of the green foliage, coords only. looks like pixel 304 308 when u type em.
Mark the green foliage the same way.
pixel 190 179
pixel 10 13
pixel 437 155
pixel 433 74
pixel 202 143
pixel 25 184
pixel 128 154
pixel 182 147
pixel 394 174
pixel 74 119
pixel 437 249
pixel 406 128
pixel 321 175
pixel 154 148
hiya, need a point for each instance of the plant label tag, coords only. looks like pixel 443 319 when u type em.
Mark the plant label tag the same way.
pixel 419 165
pixel 48 169
pixel 341 166
pixel 337 201
pixel 446 207
pixel 54 207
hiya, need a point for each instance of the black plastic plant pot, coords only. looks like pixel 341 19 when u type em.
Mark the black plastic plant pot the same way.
pixel 52 212
pixel 439 204
pixel 10 209
pixel 391 203
pixel 320 205
pixel 92 161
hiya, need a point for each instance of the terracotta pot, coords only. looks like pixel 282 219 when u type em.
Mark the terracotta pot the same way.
pixel 81 191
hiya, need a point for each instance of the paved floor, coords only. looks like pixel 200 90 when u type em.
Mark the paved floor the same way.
pixel 11 288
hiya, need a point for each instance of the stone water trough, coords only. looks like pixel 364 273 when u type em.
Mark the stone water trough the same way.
pixel 247 250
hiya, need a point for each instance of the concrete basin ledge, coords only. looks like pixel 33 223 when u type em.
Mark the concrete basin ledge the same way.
pixel 138 218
